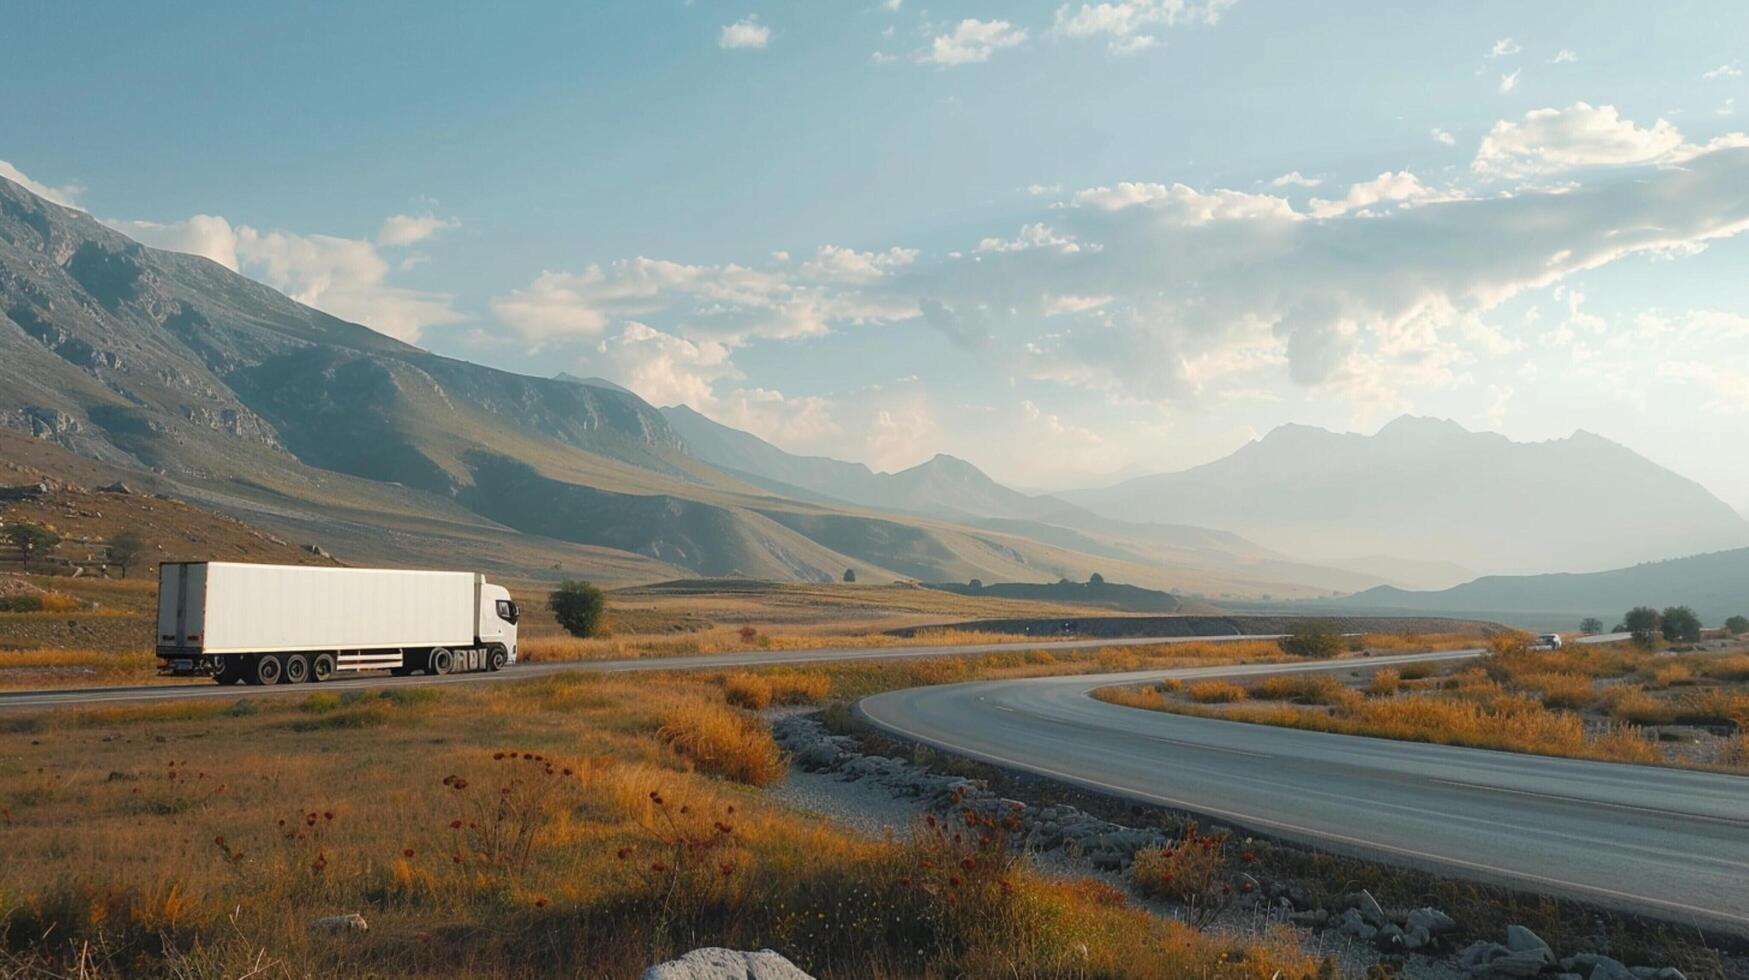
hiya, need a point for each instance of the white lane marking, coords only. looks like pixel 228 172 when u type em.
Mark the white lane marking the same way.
pixel 1245 818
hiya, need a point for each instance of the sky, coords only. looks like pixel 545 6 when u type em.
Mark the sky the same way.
pixel 1063 241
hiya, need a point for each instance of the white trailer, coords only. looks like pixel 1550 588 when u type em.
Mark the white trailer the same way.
pixel 272 624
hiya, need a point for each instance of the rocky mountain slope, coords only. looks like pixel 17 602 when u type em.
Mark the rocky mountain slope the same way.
pixel 1425 489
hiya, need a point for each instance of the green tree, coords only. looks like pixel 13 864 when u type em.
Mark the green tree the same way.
pixel 125 549
pixel 1681 625
pixel 1312 638
pixel 1591 624
pixel 1096 579
pixel 578 606
pixel 32 540
pixel 1737 625
pixel 850 575
pixel 1643 622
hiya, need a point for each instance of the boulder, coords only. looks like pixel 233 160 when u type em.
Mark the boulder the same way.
pixel 716 963
pixel 1430 920
pixel 1522 940
pixel 116 487
pixel 1370 910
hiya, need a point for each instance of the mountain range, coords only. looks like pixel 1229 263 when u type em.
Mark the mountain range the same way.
pixel 226 393
pixel 229 394
pixel 1716 585
pixel 1429 488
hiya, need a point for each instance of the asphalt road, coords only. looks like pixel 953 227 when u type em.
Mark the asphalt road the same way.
pixel 1668 842
pixel 87 696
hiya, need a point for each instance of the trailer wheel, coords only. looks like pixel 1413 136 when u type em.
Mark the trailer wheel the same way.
pixel 226 672
pixel 297 669
pixel 439 661
pixel 497 658
pixel 322 668
pixel 268 670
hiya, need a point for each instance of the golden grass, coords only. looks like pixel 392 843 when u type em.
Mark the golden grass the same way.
pixel 1631 703
pixel 761 690
pixel 59 667
pixel 1558 689
pixel 1384 683
pixel 1303 688
pixel 559 649
pixel 558 825
pixel 1421 642
pixel 1215 692
pixel 1514 723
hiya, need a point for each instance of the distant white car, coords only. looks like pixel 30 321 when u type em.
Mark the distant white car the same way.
pixel 1547 641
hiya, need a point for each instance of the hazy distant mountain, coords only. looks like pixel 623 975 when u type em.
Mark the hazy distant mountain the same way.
pixel 1716 585
pixel 949 487
pixel 1430 490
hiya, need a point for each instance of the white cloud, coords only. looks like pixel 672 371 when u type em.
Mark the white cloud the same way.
pixel 346 277
pixel 1565 56
pixel 1727 107
pixel 1441 136
pixel 1127 24
pixel 1039 235
pixel 1732 70
pixel 662 368
pixel 1508 82
pixel 1183 204
pixel 972 41
pixel 1294 178
pixel 1504 48
pixel 1386 188
pixel 409 229
pixel 1581 135
pixel 66 195
pixel 744 33
pixel 1039 190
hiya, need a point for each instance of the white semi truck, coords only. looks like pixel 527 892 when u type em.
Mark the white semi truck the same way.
pixel 288 624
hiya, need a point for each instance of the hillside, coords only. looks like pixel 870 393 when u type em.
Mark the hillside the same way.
pixel 954 489
pixel 1430 490
pixel 1716 585
pixel 220 391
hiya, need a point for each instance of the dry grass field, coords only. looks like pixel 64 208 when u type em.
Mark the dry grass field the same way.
pixel 1614 702
pixel 571 825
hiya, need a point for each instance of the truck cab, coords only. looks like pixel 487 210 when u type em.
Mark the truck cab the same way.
pixel 497 619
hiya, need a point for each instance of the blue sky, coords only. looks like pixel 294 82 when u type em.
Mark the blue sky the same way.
pixel 1054 239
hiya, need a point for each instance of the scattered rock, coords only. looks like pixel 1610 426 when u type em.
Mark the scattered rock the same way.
pixel 116 487
pixel 27 491
pixel 1522 940
pixel 716 963
pixel 350 922
pixel 317 550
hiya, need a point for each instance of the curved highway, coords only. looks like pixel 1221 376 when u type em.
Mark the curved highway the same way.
pixel 1667 842
pixel 87 696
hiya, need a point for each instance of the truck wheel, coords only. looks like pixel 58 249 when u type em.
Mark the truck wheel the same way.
pixel 268 671
pixel 439 661
pixel 496 658
pixel 226 672
pixel 297 669
pixel 322 668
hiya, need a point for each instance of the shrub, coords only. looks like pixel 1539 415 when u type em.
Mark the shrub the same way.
pixel 1216 692
pixel 1590 625
pixel 1559 689
pixel 1192 870
pixel 1737 625
pixel 1509 643
pixel 578 606
pixel 1384 682
pixel 1643 622
pixel 1312 638
pixel 1630 703
pixel 125 549
pixel 1680 625
pixel 24 603
pixel 1305 689
pixel 32 540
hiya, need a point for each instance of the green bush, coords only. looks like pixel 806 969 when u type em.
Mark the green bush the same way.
pixel 1643 622
pixel 21 603
pixel 1737 625
pixel 1312 638
pixel 1681 625
pixel 578 606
